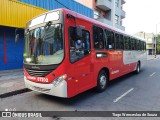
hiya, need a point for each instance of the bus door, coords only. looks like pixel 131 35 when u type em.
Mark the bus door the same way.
pixel 80 58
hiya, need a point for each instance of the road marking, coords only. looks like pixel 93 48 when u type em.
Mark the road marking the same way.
pixel 152 74
pixel 120 97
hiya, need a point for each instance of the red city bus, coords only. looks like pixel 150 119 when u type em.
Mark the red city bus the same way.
pixel 67 53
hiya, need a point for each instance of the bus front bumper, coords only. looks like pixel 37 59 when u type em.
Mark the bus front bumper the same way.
pixel 50 89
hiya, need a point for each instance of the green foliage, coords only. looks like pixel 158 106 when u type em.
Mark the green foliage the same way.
pixel 158 43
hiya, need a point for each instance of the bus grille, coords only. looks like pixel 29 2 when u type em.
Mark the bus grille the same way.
pixel 38 73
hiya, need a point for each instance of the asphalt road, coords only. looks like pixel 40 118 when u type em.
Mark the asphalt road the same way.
pixel 132 92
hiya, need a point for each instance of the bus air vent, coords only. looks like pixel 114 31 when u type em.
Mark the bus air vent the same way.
pixel 38 73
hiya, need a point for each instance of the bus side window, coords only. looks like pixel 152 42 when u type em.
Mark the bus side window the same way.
pixel 72 37
pixel 140 45
pixel 144 44
pixel 79 46
pixel 121 42
pixel 98 37
pixel 133 43
pixel 86 41
pixel 137 44
pixel 110 39
pixel 129 43
pixel 117 41
pixel 126 45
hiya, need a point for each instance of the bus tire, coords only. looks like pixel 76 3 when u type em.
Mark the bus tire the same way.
pixel 102 81
pixel 137 68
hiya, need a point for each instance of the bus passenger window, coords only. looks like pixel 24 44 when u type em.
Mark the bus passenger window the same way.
pixel 98 37
pixel 110 39
pixel 79 46
pixel 133 43
pixel 129 43
pixel 144 46
pixel 126 43
pixel 86 41
pixel 137 45
pixel 117 41
pixel 121 42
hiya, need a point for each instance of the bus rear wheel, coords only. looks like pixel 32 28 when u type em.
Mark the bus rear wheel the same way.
pixel 137 68
pixel 102 81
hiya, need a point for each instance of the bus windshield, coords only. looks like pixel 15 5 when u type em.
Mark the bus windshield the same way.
pixel 44 45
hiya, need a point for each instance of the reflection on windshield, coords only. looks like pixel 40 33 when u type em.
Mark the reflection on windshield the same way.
pixel 44 45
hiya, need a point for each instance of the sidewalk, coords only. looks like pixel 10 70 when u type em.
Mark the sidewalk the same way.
pixel 151 57
pixel 11 80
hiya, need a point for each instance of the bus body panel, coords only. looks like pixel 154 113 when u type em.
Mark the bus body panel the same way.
pixel 49 89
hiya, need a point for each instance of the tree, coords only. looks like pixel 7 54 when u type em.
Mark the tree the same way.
pixel 158 43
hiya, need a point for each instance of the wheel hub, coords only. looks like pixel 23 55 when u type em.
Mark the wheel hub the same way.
pixel 103 81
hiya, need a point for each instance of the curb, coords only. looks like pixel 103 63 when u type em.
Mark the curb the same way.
pixel 16 92
pixel 153 58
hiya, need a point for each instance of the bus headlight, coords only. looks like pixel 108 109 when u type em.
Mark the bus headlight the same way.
pixel 58 80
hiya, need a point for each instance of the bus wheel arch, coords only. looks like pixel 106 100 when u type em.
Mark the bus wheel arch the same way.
pixel 102 79
pixel 107 71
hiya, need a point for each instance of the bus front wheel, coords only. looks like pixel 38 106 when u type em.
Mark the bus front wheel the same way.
pixel 102 81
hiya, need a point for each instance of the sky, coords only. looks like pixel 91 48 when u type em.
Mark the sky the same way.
pixel 142 15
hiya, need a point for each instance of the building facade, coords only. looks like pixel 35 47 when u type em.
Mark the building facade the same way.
pixel 107 11
pixel 55 4
pixel 150 41
pixel 13 17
